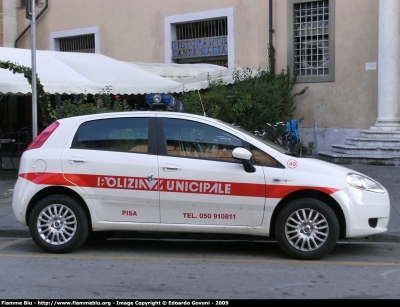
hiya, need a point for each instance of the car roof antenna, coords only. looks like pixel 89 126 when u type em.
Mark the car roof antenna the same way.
pixel 204 112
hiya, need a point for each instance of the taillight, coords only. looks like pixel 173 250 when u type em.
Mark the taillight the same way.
pixel 41 138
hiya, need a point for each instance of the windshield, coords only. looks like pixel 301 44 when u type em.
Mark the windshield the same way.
pixel 266 141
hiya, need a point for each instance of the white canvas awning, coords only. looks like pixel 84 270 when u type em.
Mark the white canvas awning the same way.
pixel 72 73
pixel 173 70
pixel 191 76
pixel 201 81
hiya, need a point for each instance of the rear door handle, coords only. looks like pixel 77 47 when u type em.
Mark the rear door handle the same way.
pixel 170 168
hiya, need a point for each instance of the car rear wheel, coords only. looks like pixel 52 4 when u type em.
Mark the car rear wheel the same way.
pixel 58 224
pixel 307 229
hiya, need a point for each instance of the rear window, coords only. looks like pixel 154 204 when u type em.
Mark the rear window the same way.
pixel 114 134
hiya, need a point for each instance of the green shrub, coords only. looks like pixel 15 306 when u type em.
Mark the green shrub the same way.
pixel 252 100
pixel 102 102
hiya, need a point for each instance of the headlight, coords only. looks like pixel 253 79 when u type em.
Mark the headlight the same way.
pixel 364 183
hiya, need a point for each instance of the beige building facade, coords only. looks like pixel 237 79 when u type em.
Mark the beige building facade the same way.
pixel 8 23
pixel 333 44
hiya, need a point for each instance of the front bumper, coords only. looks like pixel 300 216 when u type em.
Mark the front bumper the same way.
pixel 366 213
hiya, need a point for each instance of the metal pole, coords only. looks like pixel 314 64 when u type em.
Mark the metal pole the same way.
pixel 34 87
pixel 271 43
pixel 315 140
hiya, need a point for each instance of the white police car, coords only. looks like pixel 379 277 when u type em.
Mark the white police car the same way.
pixel 178 172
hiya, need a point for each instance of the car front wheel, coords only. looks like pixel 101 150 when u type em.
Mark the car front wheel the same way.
pixel 58 224
pixel 307 229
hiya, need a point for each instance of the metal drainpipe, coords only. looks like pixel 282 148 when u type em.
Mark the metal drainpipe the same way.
pixel 271 44
pixel 28 27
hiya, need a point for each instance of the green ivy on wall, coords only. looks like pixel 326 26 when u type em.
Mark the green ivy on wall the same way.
pixel 48 112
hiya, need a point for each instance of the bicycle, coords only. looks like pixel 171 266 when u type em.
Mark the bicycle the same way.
pixel 291 137
pixel 272 133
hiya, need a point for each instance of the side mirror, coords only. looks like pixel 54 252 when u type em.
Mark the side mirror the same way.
pixel 244 156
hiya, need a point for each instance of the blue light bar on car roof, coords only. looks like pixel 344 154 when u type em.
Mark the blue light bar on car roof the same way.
pixel 167 101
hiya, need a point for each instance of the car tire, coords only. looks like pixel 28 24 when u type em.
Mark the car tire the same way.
pixel 307 229
pixel 58 224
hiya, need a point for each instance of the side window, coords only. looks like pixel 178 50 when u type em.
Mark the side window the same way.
pixel 115 134
pixel 186 138
pixel 262 158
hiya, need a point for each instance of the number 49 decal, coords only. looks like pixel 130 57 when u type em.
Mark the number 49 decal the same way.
pixel 292 163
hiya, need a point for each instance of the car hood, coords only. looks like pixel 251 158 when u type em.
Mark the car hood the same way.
pixel 312 172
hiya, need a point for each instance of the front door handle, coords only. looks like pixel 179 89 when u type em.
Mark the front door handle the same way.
pixel 77 160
